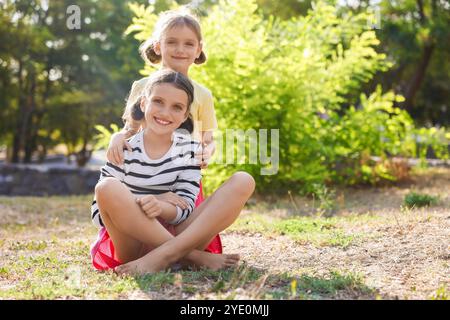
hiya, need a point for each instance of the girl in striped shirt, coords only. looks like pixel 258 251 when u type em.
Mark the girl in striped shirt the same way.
pixel 149 234
pixel 175 44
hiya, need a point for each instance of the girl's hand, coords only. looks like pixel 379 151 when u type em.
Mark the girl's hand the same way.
pixel 114 154
pixel 150 206
pixel 204 154
pixel 173 199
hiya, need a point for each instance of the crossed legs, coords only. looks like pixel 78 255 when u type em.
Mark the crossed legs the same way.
pixel 132 232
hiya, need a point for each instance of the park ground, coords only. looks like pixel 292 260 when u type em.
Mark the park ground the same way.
pixel 369 247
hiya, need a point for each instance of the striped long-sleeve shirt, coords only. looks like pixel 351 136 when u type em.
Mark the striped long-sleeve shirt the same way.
pixel 176 171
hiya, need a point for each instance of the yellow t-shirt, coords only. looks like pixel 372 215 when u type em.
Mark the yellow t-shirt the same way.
pixel 202 108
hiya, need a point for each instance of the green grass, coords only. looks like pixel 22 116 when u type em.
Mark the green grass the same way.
pixel 312 287
pixel 317 231
pixel 60 269
pixel 418 200
pixel 28 245
pixel 47 246
pixel 63 271
pixel 44 245
pixel 334 282
pixel 441 294
pixel 55 275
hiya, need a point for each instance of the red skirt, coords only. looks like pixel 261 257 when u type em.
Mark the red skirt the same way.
pixel 103 254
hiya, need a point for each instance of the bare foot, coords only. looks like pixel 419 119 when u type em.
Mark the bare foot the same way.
pixel 152 262
pixel 215 261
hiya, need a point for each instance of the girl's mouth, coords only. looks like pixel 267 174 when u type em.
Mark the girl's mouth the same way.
pixel 162 122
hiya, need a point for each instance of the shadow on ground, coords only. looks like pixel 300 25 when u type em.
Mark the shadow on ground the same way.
pixel 246 282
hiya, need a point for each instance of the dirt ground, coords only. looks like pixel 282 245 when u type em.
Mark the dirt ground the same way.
pixel 397 253
pixel 405 253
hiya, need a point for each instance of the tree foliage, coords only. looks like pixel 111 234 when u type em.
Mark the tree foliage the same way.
pixel 56 83
pixel 317 71
pixel 297 75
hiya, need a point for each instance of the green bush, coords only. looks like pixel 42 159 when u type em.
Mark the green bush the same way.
pixel 104 136
pixel 303 76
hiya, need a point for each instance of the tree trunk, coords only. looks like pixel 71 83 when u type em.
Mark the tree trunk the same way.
pixel 42 153
pixel 30 121
pixel 16 147
pixel 422 16
pixel 37 113
pixel 418 76
pixel 84 154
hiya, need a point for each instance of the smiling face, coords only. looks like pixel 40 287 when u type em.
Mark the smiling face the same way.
pixel 165 109
pixel 179 47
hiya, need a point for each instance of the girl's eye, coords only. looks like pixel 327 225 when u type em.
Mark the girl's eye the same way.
pixel 178 108
pixel 190 44
pixel 158 101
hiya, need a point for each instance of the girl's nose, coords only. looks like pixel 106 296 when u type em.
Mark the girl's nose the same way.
pixel 164 111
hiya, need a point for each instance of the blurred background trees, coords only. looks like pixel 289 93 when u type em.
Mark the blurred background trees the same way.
pixel 57 83
pixel 343 80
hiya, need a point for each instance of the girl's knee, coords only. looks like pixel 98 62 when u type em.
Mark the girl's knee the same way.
pixel 106 185
pixel 244 182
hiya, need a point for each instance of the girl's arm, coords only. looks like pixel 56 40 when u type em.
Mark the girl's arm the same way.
pixel 152 207
pixel 187 187
pixel 131 127
pixel 208 121
pixel 168 211
pixel 208 140
pixel 118 142
pixel 208 149
pixel 173 198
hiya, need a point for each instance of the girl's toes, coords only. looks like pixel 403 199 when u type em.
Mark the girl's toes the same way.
pixel 231 262
pixel 120 269
pixel 234 257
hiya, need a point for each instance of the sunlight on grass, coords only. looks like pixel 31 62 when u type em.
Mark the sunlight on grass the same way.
pixel 318 231
pixel 313 287
pixel 45 244
pixel 441 294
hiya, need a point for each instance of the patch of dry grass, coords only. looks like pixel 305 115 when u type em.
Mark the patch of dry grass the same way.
pixel 371 248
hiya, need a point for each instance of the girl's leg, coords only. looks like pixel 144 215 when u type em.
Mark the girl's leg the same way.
pixel 127 226
pixel 214 215
pixel 131 231
pixel 194 215
pixel 231 196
